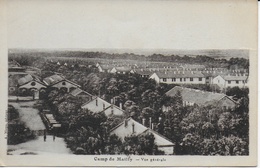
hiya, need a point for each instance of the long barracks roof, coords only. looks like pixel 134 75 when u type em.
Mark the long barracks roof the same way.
pixel 195 96
pixel 123 69
pixel 235 78
pixel 143 72
pixel 179 74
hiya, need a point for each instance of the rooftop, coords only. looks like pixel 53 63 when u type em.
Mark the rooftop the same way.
pixel 195 96
pixel 179 74
pixel 53 79
pixel 233 78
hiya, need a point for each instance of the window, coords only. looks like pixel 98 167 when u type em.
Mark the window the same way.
pixel 237 82
pixel 207 78
pixel 164 79
pixel 200 79
pixel 229 82
pixel 180 79
pixel 173 79
pixel 33 84
pixel 184 79
pixel 63 83
pixel 191 79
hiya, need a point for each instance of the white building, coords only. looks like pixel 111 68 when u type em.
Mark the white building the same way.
pixel 32 84
pixel 98 105
pixel 131 127
pixel 191 97
pixel 179 77
pixel 59 82
pixel 231 81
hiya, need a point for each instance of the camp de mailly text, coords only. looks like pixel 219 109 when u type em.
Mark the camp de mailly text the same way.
pixel 127 159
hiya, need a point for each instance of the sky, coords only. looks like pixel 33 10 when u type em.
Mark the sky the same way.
pixel 153 24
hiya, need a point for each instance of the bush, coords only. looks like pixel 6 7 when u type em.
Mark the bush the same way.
pixel 18 133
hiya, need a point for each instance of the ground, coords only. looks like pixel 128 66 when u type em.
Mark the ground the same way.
pixel 30 116
pixel 39 147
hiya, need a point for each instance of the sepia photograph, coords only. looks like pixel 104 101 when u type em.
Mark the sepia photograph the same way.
pixel 129 83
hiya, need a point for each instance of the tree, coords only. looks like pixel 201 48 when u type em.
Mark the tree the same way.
pixel 114 145
pixel 143 144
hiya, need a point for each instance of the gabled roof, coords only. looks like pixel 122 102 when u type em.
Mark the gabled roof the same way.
pixel 96 105
pixel 29 78
pixel 116 110
pixel 54 79
pixel 139 129
pixel 179 74
pixel 78 91
pixel 195 96
pixel 25 79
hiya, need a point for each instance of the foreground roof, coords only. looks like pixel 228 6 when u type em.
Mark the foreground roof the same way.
pixel 139 129
pixel 195 96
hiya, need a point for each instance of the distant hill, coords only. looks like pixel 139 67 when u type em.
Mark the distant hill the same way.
pixel 215 53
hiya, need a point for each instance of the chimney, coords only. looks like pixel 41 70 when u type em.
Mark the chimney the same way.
pixel 150 122
pixel 104 106
pixel 112 109
pixel 126 123
pixel 120 105
pixel 152 126
pixel 96 102
pixel 112 101
pixel 133 127
pixel 143 121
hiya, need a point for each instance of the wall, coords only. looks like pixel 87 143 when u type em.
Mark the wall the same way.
pixel 184 81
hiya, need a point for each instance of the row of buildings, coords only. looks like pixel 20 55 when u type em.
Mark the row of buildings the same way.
pixel 177 73
pixel 221 77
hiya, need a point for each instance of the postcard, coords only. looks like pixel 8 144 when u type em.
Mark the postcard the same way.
pixel 128 83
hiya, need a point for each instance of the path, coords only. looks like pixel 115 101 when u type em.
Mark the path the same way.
pixel 39 147
pixel 29 115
